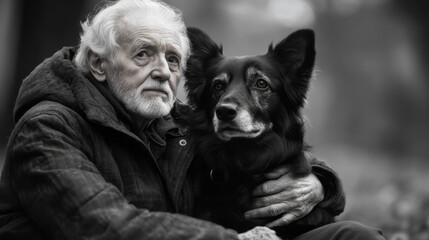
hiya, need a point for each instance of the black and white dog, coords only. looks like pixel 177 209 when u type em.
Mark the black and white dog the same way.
pixel 247 114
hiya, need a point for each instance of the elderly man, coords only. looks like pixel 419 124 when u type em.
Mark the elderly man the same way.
pixel 95 154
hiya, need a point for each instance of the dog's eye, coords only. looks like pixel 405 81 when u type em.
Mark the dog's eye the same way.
pixel 261 83
pixel 218 86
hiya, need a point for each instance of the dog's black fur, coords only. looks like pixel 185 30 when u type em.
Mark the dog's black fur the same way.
pixel 247 114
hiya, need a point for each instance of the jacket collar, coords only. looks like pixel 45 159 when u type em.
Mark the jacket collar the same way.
pixel 95 106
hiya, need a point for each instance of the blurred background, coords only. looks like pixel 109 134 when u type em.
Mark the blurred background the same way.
pixel 368 107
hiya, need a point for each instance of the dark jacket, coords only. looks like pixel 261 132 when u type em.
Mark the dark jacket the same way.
pixel 77 166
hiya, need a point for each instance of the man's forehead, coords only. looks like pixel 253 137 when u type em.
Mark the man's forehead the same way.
pixel 151 31
pixel 146 37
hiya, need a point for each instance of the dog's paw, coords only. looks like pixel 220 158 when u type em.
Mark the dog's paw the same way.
pixel 259 233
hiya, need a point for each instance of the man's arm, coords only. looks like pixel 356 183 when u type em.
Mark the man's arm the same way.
pixel 293 198
pixel 62 191
pixel 334 199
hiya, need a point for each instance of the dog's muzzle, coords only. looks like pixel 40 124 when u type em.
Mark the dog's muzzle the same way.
pixel 231 122
pixel 226 112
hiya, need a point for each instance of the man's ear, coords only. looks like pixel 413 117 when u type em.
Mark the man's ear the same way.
pixel 203 51
pixel 97 66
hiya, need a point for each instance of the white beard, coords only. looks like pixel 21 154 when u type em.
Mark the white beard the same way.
pixel 147 106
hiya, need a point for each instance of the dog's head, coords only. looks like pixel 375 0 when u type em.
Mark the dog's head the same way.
pixel 245 97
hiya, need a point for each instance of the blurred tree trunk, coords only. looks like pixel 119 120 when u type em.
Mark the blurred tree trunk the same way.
pixel 418 11
pixel 44 27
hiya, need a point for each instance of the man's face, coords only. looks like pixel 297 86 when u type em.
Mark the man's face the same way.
pixel 147 68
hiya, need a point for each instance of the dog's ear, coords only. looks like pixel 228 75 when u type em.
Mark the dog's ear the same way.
pixel 296 54
pixel 203 50
pixel 297 50
pixel 202 46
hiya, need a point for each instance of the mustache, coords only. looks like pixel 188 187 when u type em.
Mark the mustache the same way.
pixel 156 86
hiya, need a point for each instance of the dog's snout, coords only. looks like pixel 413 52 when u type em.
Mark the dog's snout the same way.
pixel 226 112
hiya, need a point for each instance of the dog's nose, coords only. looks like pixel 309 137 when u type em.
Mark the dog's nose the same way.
pixel 226 112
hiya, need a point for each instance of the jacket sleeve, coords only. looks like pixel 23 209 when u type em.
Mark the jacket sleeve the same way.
pixel 62 191
pixel 334 201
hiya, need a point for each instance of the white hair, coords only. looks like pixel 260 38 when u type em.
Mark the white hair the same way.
pixel 100 35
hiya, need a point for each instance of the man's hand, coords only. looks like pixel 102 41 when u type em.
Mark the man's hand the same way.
pixel 259 233
pixel 286 197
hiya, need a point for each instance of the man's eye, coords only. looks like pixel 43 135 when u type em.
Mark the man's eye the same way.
pixel 173 60
pixel 261 83
pixel 218 86
pixel 142 54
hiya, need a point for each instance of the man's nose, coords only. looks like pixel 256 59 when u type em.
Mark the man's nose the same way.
pixel 161 71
